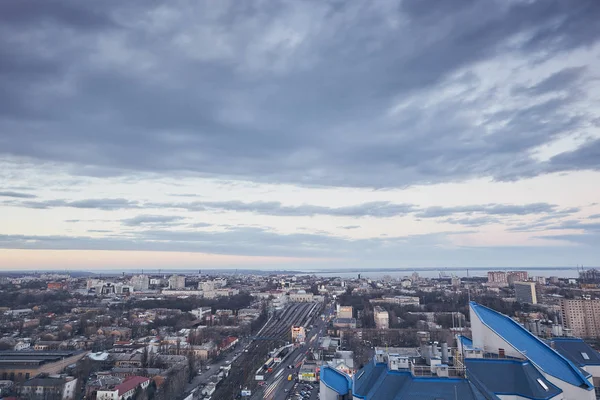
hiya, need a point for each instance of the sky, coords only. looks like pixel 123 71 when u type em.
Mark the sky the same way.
pixel 299 134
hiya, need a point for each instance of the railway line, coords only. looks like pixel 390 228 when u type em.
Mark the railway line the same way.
pixel 277 331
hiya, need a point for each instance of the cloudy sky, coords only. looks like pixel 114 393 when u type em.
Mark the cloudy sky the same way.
pixel 299 134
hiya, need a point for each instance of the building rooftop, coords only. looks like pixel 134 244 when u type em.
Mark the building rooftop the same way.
pixel 519 378
pixel 375 382
pixel 576 350
pixel 46 382
pixel 548 360
pixel 130 383
pixel 336 380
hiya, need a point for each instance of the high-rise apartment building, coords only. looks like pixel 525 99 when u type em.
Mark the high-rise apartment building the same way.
pixel 503 278
pixel 525 292
pixel 140 282
pixel 176 282
pixel 382 318
pixel 582 317
pixel 497 277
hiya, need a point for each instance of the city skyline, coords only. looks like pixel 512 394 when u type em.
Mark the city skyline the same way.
pixel 299 136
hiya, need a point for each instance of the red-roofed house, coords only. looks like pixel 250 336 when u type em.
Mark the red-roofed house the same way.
pixel 228 343
pixel 125 390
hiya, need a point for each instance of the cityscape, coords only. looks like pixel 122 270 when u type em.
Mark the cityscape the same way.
pixel 289 336
pixel 299 200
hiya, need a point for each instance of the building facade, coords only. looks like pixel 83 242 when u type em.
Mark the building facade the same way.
pixel 525 292
pixel 382 318
pixel 176 282
pixel 581 316
pixel 140 282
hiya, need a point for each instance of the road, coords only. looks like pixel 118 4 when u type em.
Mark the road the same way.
pixel 278 387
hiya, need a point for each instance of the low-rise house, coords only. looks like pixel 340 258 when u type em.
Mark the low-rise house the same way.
pixel 49 388
pixel 124 390
pixel 116 332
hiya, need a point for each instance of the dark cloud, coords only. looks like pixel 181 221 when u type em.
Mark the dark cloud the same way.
pixel 200 225
pixel 18 195
pixel 414 250
pixel 474 222
pixel 486 213
pixel 585 157
pixel 586 239
pixel 382 209
pixel 349 227
pixel 489 209
pixel 146 219
pixel 576 224
pixel 99 204
pixel 239 241
pixel 594 216
pixel 67 13
pixel 286 92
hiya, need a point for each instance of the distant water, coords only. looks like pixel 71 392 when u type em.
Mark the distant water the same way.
pixel 430 273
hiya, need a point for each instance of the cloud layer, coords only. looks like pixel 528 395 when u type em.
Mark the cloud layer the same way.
pixel 362 130
pixel 294 92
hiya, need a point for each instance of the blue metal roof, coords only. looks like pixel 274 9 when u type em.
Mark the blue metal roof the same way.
pixel 365 379
pixel 511 377
pixel 401 385
pixel 376 382
pixel 465 341
pixel 574 349
pixel 429 388
pixel 533 348
pixel 336 380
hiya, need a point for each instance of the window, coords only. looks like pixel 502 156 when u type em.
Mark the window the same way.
pixel 585 356
pixel 542 384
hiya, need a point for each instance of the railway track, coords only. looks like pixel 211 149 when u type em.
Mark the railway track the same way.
pixel 279 329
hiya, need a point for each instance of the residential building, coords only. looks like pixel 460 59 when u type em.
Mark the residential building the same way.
pixel 49 388
pixel 124 390
pixel 176 282
pixel 140 282
pixel 581 316
pixel 58 286
pixel 497 278
pixel 516 276
pixel 455 282
pixel 504 278
pixel 525 292
pixel 399 300
pixel 382 318
pixel 201 312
